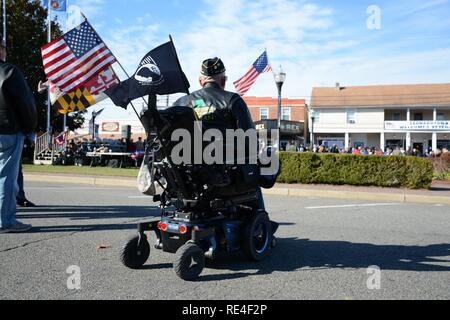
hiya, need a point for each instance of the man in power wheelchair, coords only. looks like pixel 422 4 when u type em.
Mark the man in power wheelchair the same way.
pixel 205 208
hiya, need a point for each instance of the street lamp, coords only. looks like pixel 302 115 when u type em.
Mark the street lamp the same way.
pixel 313 119
pixel 94 116
pixel 280 78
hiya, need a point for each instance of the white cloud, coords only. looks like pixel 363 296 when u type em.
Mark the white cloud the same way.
pixel 426 6
pixel 130 44
pixel 238 31
pixel 303 36
pixel 90 8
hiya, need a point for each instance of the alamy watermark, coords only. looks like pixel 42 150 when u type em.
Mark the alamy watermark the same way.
pixel 74 280
pixel 374 20
pixel 374 280
pixel 236 147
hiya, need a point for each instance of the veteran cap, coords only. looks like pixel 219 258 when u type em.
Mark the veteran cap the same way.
pixel 212 67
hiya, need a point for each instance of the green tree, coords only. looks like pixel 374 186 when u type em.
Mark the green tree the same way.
pixel 26 34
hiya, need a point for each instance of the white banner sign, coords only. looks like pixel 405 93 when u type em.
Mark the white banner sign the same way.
pixel 417 125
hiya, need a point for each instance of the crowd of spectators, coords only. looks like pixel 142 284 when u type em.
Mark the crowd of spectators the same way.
pixel 390 151
pixel 76 151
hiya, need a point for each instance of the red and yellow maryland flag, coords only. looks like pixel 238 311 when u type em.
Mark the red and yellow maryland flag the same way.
pixel 85 96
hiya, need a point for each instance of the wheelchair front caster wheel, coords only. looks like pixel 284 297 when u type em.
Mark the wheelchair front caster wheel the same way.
pixel 135 252
pixel 189 262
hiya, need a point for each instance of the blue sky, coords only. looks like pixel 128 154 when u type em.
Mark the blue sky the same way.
pixel 318 43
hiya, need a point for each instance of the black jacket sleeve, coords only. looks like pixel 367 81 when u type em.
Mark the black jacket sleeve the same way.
pixel 241 113
pixel 22 100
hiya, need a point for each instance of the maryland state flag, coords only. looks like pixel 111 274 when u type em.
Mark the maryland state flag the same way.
pixel 85 96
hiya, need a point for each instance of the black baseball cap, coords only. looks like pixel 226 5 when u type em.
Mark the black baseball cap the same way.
pixel 212 67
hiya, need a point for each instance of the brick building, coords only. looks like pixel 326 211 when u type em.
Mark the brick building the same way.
pixel 294 117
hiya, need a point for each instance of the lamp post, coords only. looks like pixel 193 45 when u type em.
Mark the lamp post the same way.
pixel 94 116
pixel 280 78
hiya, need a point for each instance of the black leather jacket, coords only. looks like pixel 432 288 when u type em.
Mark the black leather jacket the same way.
pixel 17 105
pixel 219 109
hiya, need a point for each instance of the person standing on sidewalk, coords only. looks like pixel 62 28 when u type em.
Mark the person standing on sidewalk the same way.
pixel 18 116
pixel 21 199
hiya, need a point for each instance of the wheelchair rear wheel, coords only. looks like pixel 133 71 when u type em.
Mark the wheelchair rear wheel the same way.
pixel 258 237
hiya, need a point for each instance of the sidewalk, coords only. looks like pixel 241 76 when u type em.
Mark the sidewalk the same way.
pixel 439 193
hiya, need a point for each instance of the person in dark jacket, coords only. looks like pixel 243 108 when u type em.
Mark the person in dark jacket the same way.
pixel 217 108
pixel 18 117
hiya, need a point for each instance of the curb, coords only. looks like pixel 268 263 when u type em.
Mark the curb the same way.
pixel 88 180
pixel 283 192
pixel 357 195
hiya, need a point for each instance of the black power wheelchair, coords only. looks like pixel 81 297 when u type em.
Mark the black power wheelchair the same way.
pixel 205 209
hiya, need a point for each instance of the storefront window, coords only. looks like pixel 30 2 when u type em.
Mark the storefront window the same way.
pixel 443 144
pixel 359 144
pixel 393 144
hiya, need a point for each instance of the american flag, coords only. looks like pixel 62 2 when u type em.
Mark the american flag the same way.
pixel 74 58
pixel 261 65
pixel 61 139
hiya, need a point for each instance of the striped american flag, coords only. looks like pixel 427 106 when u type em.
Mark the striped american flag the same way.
pixel 74 58
pixel 261 65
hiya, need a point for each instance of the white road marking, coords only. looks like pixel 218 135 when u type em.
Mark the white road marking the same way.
pixel 355 206
pixel 68 188
pixel 139 197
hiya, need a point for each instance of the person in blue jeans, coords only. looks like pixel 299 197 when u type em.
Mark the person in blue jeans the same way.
pixel 21 199
pixel 18 117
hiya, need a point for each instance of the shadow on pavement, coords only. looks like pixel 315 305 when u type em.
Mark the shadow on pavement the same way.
pixel 87 212
pixel 84 213
pixel 441 188
pixel 293 254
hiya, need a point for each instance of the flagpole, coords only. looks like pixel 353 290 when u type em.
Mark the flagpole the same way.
pixel 118 62
pixel 67 29
pixel 176 55
pixel 4 20
pixel 49 39
pixel 268 61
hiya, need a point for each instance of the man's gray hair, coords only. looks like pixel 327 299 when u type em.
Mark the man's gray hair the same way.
pixel 213 79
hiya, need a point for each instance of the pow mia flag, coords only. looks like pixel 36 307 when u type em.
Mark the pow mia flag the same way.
pixel 158 73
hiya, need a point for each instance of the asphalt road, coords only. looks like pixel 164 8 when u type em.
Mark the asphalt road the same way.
pixel 324 250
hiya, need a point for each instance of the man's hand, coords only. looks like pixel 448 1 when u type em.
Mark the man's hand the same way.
pixel 43 86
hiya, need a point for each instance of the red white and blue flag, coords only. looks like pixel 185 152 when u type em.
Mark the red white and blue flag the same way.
pixel 61 139
pixel 71 60
pixel 261 65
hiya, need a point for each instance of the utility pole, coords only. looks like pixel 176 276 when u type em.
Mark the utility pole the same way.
pixel 4 20
pixel 49 39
